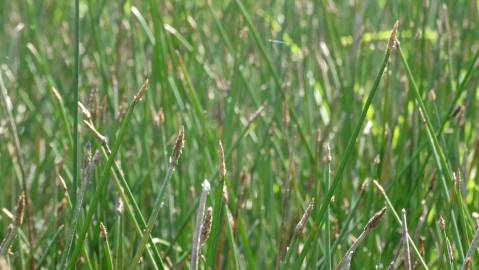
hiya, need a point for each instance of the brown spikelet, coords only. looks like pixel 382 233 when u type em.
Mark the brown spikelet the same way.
pixel 364 186
pixel 405 234
pixel 373 222
pixel 93 103
pixel 57 95
pixel 379 187
pixel 61 206
pixel 178 148
pixel 393 42
pixel 119 206
pixel 206 229
pixel 450 250
pixel 61 183
pixel 103 109
pixel 328 153
pixel 222 168
pixel 442 223
pixel 84 111
pixel 20 207
pixel 103 231
pixel 159 118
pixel 101 139
pixel 467 263
pixel 142 91
pixel 302 222
pixel 257 113
pixel 86 157
pixel 225 197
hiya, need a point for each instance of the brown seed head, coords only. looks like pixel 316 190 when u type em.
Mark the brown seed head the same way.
pixel 302 222
pixel 257 113
pixel 101 139
pixel 457 179
pixel 84 111
pixel 379 187
pixel 61 183
pixel 87 156
pixel 364 185
pixel 328 153
pixel 225 196
pixel 103 231
pixel 20 207
pixel 159 118
pixel 442 223
pixel 206 229
pixel 119 206
pixel 374 221
pixel 221 154
pixel 467 263
pixel 93 103
pixel 142 91
pixel 57 95
pixel 393 42
pixel 178 148
pixel 450 250
pixel 61 206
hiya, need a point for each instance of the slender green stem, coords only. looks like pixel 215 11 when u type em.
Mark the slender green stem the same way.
pixel 103 182
pixel 327 176
pixel 440 158
pixel 75 90
pixel 153 218
pixel 398 219
pixel 177 149
pixel 347 152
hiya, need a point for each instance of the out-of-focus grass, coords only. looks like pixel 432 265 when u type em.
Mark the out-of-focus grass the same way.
pixel 275 82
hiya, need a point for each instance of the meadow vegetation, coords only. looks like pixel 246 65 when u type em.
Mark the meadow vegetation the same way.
pixel 239 134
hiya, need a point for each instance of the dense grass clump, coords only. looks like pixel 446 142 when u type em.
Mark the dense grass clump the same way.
pixel 239 134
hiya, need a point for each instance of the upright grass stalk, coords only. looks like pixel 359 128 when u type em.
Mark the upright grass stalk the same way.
pixel 447 248
pixel 16 144
pixel 88 170
pixel 472 249
pixel 13 228
pixel 106 247
pixel 285 198
pixel 196 244
pixel 372 223
pixel 327 175
pixel 347 152
pixel 398 219
pixel 75 90
pixel 119 234
pixel 177 149
pixel 405 235
pixel 214 251
pixel 461 87
pixel 440 158
pixel 293 243
pixel 103 180
pixel 126 195
pixel 345 225
pixel 122 187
